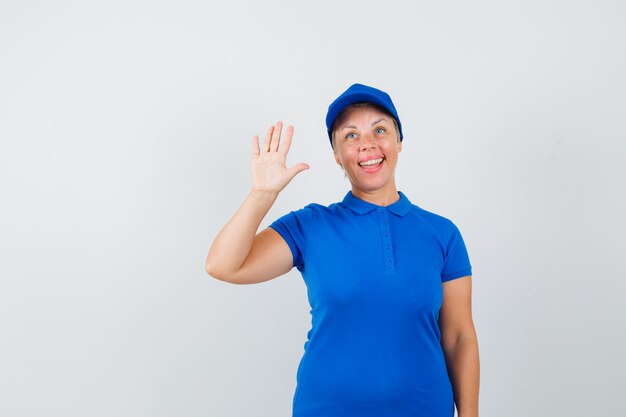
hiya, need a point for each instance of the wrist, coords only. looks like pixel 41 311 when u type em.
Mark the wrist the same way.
pixel 262 195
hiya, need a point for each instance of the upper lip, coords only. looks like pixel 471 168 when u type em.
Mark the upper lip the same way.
pixel 369 158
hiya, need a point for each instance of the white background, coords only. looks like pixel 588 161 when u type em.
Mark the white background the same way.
pixel 125 131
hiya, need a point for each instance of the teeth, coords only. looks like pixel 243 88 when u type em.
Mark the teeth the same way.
pixel 371 162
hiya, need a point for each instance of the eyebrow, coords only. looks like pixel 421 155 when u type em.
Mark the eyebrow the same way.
pixel 373 123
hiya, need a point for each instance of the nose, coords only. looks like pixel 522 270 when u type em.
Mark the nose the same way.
pixel 367 142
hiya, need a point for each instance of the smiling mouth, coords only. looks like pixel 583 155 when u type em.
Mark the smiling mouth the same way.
pixel 371 163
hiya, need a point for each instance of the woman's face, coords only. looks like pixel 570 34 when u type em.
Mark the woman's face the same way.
pixel 366 145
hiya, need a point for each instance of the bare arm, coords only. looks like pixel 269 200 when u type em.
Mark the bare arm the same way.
pixel 460 344
pixel 238 254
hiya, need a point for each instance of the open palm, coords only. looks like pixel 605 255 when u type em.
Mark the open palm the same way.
pixel 269 170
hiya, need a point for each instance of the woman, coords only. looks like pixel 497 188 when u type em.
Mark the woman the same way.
pixel 389 283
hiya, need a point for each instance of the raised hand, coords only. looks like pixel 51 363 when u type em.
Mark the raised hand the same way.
pixel 269 170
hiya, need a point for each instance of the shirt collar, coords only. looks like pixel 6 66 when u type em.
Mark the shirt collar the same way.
pixel 400 207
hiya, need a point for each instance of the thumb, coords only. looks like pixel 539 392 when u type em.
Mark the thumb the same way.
pixel 296 169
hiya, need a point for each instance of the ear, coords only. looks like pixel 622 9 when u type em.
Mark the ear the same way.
pixel 337 160
pixel 399 145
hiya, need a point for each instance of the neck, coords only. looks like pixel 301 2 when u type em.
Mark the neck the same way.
pixel 383 197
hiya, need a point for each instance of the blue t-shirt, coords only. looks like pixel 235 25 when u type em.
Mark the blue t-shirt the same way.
pixel 374 279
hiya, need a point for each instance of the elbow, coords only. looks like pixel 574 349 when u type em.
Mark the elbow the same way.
pixel 209 269
pixel 212 268
pixel 213 271
pixel 219 274
pixel 460 341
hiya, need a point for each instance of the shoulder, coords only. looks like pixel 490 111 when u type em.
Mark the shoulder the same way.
pixel 315 214
pixel 321 209
pixel 435 220
pixel 308 211
pixel 441 227
pixel 302 217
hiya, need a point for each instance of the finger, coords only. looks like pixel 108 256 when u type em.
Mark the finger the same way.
pixel 296 169
pixel 286 142
pixel 255 145
pixel 276 136
pixel 268 138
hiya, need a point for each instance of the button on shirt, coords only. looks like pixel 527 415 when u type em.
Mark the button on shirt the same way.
pixel 374 279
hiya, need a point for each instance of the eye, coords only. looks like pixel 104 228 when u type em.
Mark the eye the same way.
pixel 351 135
pixel 380 130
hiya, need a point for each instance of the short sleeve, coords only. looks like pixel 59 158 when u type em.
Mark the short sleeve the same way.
pixel 294 227
pixel 457 263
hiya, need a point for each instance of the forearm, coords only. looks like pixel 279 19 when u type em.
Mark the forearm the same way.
pixel 233 243
pixel 464 369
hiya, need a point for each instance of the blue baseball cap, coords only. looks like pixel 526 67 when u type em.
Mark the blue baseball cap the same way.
pixel 359 93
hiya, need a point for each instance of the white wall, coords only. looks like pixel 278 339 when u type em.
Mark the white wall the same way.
pixel 125 133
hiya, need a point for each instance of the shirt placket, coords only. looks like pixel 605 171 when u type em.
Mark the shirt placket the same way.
pixel 383 216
